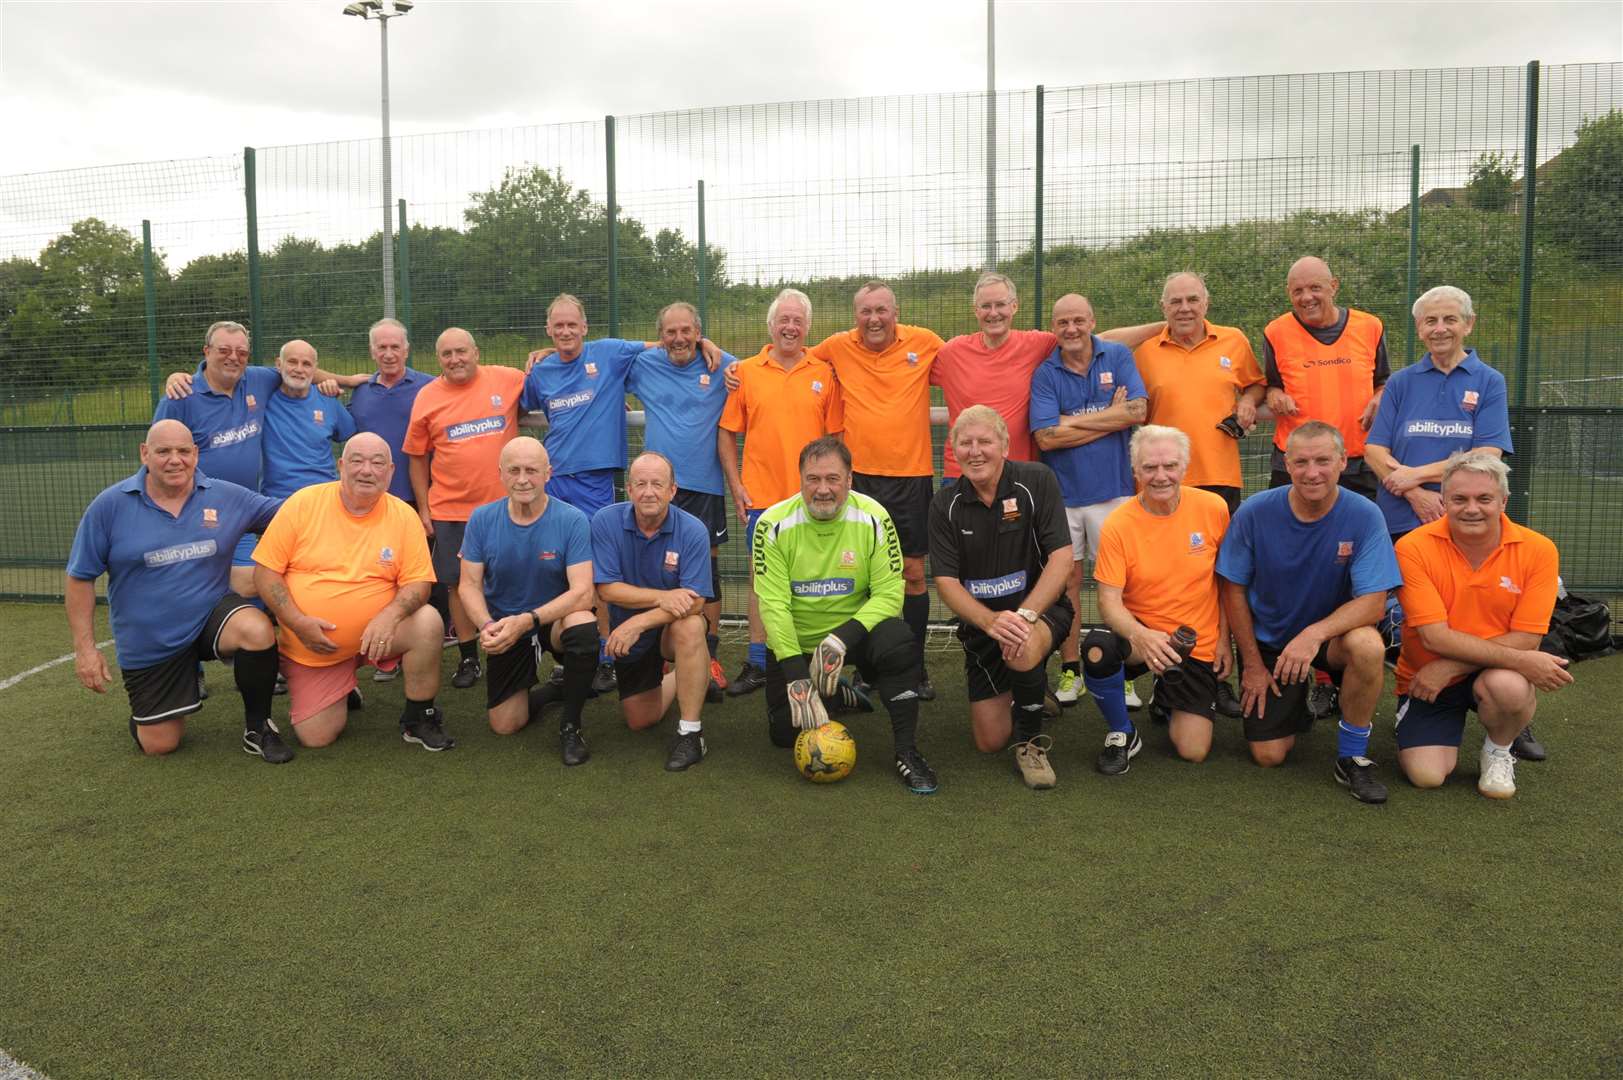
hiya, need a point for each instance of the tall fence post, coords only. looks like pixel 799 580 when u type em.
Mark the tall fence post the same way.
pixel 1414 239
pixel 614 229
pixel 1526 437
pixel 403 265
pixel 704 260
pixel 1037 223
pixel 150 292
pixel 250 187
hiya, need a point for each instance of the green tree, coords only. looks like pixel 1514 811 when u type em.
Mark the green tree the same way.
pixel 1581 201
pixel 85 317
pixel 1492 185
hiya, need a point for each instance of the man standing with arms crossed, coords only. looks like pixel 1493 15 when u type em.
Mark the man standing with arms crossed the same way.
pixel 1085 399
pixel 786 398
pixel 459 424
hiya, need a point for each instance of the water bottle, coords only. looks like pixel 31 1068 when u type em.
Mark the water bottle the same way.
pixel 1183 642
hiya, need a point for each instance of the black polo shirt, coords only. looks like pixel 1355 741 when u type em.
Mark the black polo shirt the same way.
pixel 998 552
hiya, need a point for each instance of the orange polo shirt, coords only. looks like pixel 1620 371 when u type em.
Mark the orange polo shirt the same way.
pixel 778 412
pixel 465 428
pixel 1166 567
pixel 339 567
pixel 1194 389
pixel 886 396
pixel 1513 590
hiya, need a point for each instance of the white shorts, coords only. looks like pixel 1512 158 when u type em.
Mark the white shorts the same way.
pixel 1086 523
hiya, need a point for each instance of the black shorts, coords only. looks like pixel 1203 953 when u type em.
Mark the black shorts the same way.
pixel 642 672
pixel 515 671
pixel 447 551
pixel 168 689
pixel 709 509
pixel 985 673
pixel 1195 692
pixel 1228 494
pixel 1286 715
pixel 907 500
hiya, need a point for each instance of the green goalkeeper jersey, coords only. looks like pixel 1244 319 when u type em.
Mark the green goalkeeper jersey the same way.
pixel 812 576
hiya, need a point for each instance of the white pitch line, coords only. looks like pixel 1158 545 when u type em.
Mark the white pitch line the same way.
pixel 7 684
pixel 12 1069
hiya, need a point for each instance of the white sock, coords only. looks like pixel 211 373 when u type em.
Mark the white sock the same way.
pixel 686 727
pixel 1489 744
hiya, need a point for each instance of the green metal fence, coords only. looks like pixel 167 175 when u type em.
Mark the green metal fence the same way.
pixel 1401 179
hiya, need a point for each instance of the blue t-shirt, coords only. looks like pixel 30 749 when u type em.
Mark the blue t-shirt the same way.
pixel 683 404
pixel 585 404
pixel 1097 471
pixel 227 428
pixel 676 557
pixel 1426 415
pixel 298 441
pixel 385 411
pixel 526 566
pixel 1297 572
pixel 164 573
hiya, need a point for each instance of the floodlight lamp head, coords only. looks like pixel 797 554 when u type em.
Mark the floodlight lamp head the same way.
pixel 403 6
pixel 354 9
pixel 374 6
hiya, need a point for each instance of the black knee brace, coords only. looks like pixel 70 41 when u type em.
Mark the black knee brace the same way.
pixel 1108 646
pixel 892 650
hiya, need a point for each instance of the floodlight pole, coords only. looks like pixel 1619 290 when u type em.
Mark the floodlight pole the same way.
pixel 383 11
pixel 991 135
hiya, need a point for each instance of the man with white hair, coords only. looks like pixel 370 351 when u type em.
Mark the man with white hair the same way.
pixel 1478 591
pixel 301 426
pixel 1158 595
pixel 786 398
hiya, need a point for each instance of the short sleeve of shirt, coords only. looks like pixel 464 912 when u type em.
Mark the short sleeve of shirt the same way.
pixel 417 429
pixel 474 538
pixel 1110 566
pixel 415 563
pixel 943 540
pixel 606 545
pixel 275 549
pixel 1382 430
pixel 92 541
pixel 1492 426
pixel 1128 376
pixel 344 427
pixel 577 546
pixel 1246 372
pixel 1236 561
pixel 1383 364
pixel 835 412
pixel 695 562
pixel 1422 603
pixel 1533 610
pixel 732 416
pixel 1044 401
pixel 1052 529
pixel 1375 565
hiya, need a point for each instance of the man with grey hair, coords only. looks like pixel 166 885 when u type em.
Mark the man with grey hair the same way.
pixel 1158 595
pixel 1478 591
pixel 786 398
pixel 302 424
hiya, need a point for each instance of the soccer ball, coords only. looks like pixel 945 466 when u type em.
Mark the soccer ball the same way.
pixel 825 754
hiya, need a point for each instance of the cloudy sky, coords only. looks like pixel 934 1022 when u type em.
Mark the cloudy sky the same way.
pixel 102 83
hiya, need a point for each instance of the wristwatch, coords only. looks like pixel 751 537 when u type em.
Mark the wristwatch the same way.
pixel 1026 614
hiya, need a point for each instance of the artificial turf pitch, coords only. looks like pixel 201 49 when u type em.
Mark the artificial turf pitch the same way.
pixel 374 910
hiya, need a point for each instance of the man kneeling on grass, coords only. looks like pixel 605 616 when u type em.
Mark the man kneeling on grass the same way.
pixel 527 584
pixel 1477 595
pixel 344 568
pixel 651 562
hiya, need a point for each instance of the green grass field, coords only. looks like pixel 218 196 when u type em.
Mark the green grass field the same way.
pixel 373 910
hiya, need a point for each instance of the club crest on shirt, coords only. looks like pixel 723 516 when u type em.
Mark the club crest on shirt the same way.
pixel 315 414
pixel 1344 550
pixel 251 402
pixel 1106 379
pixel 671 558
pixel 591 370
pixel 912 358
pixel 211 518
pixel 495 401
pixel 547 556
pixel 386 555
pixel 848 558
pixel 704 380
pixel 1224 362
pixel 1197 540
pixel 1011 509
pixel 1510 586
pixel 817 386
pixel 1468 401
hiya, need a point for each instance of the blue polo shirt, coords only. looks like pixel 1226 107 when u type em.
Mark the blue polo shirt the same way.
pixel 164 573
pixel 526 566
pixel 385 411
pixel 298 441
pixel 585 404
pixel 228 428
pixel 1426 415
pixel 1098 471
pixel 676 557
pixel 1297 572
pixel 683 404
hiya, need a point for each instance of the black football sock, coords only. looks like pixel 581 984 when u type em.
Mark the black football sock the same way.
pixel 255 672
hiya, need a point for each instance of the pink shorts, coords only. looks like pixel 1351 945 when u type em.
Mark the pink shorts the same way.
pixel 311 689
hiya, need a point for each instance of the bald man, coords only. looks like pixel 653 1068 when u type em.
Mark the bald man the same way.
pixel 302 425
pixel 164 538
pixel 344 566
pixel 527 584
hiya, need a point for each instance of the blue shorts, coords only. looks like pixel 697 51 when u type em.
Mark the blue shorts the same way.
pixel 587 492
pixel 1436 723
pixel 244 554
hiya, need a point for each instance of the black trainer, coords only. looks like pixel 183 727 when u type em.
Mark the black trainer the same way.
pixel 1357 775
pixel 542 696
pixel 1323 701
pixel 686 750
pixel 1227 704
pixel 926 689
pixel 572 746
pixel 848 699
pixel 557 676
pixel 467 673
pixel 915 772
pixel 604 680
pixel 281 684
pixel 354 701
pixel 1527 747
pixel 749 679
pixel 267 744
pixel 426 731
pixel 1120 749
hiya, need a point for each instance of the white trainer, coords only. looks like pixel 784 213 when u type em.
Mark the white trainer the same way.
pixel 1498 779
pixel 1132 696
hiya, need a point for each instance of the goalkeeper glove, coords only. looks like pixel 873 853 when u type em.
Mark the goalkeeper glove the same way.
pixel 806 706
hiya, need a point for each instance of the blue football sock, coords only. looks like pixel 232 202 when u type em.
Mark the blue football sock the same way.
pixel 1351 741
pixel 757 654
pixel 1110 694
pixel 603 656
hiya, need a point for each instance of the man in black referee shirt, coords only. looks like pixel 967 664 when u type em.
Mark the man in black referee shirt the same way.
pixel 1001 551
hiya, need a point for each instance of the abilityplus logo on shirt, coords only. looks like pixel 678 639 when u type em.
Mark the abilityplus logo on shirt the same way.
pixel 569 401
pixel 839 586
pixel 470 429
pixel 1439 429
